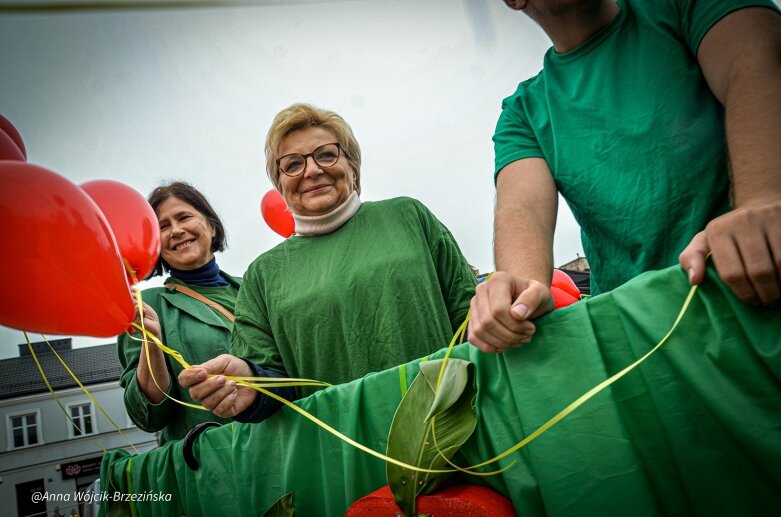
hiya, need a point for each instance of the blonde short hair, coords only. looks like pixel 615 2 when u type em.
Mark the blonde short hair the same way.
pixel 301 116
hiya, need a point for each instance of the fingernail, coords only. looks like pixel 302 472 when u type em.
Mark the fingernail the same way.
pixel 691 274
pixel 201 376
pixel 521 310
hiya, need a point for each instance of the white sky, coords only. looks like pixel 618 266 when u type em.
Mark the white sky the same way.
pixel 143 96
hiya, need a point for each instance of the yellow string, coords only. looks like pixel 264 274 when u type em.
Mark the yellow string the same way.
pixel 83 388
pixel 246 382
pixel 593 391
pixel 145 333
pixel 465 470
pixel 173 353
pixel 347 439
pixel 128 475
pixel 249 383
pixel 257 386
pixel 89 395
pixel 51 390
pixel 458 337
pixel 567 410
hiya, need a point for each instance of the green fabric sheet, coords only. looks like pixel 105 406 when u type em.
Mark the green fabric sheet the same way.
pixel 696 429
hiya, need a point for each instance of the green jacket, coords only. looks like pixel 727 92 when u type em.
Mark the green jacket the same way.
pixel 197 332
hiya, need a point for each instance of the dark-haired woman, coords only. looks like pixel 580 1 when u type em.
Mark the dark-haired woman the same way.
pixel 192 314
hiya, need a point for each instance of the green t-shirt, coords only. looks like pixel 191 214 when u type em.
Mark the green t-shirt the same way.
pixel 632 134
pixel 387 287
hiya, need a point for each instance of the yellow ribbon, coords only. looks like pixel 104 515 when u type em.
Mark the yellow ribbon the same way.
pixel 83 388
pixel 593 391
pixel 258 384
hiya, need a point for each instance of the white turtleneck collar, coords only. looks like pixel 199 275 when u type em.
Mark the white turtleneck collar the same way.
pixel 310 225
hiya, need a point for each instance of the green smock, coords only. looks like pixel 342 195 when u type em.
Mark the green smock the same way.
pixel 389 286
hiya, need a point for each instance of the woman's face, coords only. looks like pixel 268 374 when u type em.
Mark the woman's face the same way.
pixel 185 235
pixel 316 191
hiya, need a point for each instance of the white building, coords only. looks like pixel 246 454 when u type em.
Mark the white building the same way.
pixel 44 460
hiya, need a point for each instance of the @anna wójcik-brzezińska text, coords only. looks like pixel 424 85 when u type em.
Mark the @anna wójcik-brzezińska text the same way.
pixel 98 497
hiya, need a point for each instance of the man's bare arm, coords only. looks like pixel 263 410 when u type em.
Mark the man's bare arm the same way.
pixel 741 59
pixel 525 219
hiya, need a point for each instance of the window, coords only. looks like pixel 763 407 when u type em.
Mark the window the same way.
pixel 24 430
pixel 81 414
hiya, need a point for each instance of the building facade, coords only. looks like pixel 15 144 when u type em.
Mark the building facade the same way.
pixel 48 461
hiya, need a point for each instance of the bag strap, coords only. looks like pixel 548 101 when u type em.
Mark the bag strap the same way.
pixel 201 298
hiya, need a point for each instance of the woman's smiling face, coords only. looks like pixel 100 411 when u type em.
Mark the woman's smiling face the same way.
pixel 185 235
pixel 317 190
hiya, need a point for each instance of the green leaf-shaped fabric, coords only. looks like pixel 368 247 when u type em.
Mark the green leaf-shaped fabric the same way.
pixel 282 508
pixel 410 439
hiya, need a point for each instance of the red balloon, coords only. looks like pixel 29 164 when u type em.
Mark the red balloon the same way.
pixel 564 282
pixel 133 222
pixel 561 298
pixel 276 213
pixel 15 138
pixel 63 271
pixel 9 150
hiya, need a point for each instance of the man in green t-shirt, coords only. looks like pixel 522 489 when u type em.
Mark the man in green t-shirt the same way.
pixel 632 119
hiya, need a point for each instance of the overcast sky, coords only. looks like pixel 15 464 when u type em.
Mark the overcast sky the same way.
pixel 143 96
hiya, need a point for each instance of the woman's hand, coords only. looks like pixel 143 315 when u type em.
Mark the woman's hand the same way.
pixel 151 320
pixel 222 397
pixel 151 386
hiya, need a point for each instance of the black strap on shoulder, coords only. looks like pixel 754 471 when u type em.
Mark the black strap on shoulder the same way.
pixel 189 441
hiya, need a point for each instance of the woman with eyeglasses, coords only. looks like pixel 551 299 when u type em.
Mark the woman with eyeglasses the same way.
pixel 360 287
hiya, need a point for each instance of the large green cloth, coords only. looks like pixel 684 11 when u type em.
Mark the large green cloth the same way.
pixel 387 287
pixel 196 331
pixel 632 134
pixel 694 430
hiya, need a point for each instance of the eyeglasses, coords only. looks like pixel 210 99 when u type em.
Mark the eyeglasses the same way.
pixel 324 156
